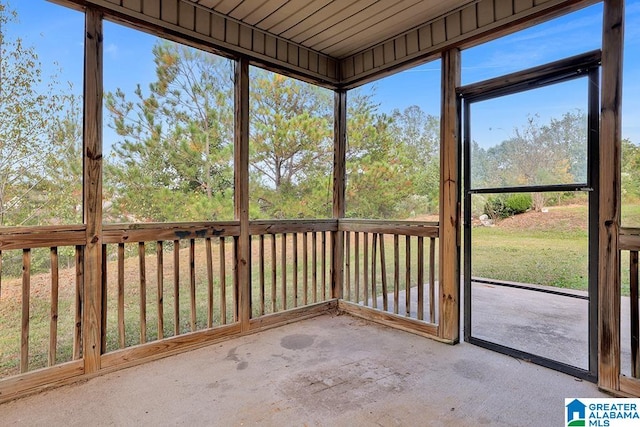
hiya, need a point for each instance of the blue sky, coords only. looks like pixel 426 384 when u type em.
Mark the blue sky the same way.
pixel 57 34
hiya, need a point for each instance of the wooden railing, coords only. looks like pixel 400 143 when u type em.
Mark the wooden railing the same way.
pixel 170 287
pixel 630 315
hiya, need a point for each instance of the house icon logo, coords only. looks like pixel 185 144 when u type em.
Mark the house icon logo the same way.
pixel 576 413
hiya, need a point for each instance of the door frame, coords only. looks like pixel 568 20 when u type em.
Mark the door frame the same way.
pixel 585 65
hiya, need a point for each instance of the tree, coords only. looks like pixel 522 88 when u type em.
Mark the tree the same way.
pixel 291 147
pixel 174 161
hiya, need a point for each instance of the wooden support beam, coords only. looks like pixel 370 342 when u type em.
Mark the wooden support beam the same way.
pixel 92 191
pixel 241 191
pixel 450 153
pixel 609 222
pixel 339 185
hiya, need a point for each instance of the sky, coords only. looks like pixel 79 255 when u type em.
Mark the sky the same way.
pixel 57 34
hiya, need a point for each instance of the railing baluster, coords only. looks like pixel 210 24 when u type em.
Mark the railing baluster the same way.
pixel 0 273
pixel 26 290
pixel 365 267
pixel 53 322
pixel 407 275
pixel 347 265
pixel 176 287
pixel 383 272
pixel 420 278
pixel 121 328
pixel 294 237
pixel 143 293
pixel 314 242
pixel 160 295
pixel 396 274
pixel 305 268
pixel 374 284
pixel 432 279
pixel 261 266
pixel 77 335
pixel 103 284
pixel 273 273
pixel 283 272
pixel 192 281
pixel 324 266
pixel 223 283
pixel 635 315
pixel 209 282
pixel 356 267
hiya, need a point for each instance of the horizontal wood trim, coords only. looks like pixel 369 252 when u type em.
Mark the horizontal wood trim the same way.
pixel 151 232
pixel 465 27
pixel 414 326
pixel 166 347
pixel 629 239
pixel 257 228
pixel 35 381
pixel 292 315
pixel 183 19
pixel 41 237
pixel 630 387
pixel 403 228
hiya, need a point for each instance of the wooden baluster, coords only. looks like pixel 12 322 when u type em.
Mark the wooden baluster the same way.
pixel 635 315
pixel 53 320
pixel 283 272
pixel 314 242
pixel 192 282
pixel 295 268
pixel 26 290
pixel 383 272
pixel 396 274
pixel 121 328
pixel 208 249
pixel 176 287
pixel 305 267
pixel 273 273
pixel 347 265
pixel 261 262
pixel 432 280
pixel 356 267
pixel 324 266
pixel 103 284
pixel 420 278
pixel 160 294
pixel 365 267
pixel 374 284
pixel 143 293
pixel 407 274
pixel 223 283
pixel 77 335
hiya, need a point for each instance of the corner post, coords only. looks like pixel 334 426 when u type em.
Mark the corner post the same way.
pixel 92 192
pixel 609 198
pixel 339 184
pixel 241 192
pixel 450 155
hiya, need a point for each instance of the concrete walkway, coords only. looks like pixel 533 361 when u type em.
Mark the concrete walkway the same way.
pixel 328 371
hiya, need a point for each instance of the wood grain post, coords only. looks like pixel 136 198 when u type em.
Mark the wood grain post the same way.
pixel 241 192
pixel 449 274
pixel 92 191
pixel 609 222
pixel 339 185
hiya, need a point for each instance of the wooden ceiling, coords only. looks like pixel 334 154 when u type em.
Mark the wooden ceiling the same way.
pixel 337 28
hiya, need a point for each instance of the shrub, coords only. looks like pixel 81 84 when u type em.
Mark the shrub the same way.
pixel 506 205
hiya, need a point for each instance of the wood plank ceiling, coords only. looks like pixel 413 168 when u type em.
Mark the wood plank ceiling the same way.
pixel 337 28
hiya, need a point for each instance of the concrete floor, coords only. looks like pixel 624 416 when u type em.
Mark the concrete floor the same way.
pixel 333 370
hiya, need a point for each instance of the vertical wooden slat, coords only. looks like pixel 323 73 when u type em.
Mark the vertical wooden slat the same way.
pixel 241 192
pixel 283 272
pixel 261 273
pixel 305 268
pixel 365 268
pixel 223 283
pixel 160 285
pixel 420 278
pixel 383 273
pixel 26 290
pixel 121 328
pixel 294 238
pixel 92 190
pixel 77 332
pixel 635 317
pixel 314 267
pixel 374 281
pixel 103 322
pixel 407 275
pixel 356 267
pixel 192 281
pixel 347 266
pixel 143 292
pixel 609 196
pixel 209 282
pixel 53 318
pixel 450 155
pixel 339 186
pixel 273 273
pixel 176 287
pixel 0 273
pixel 324 266
pixel 432 278
pixel 396 273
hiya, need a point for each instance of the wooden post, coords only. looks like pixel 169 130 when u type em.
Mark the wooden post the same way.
pixel 449 275
pixel 339 183
pixel 609 222
pixel 92 191
pixel 241 191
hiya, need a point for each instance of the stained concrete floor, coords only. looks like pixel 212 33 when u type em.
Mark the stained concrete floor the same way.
pixel 333 370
